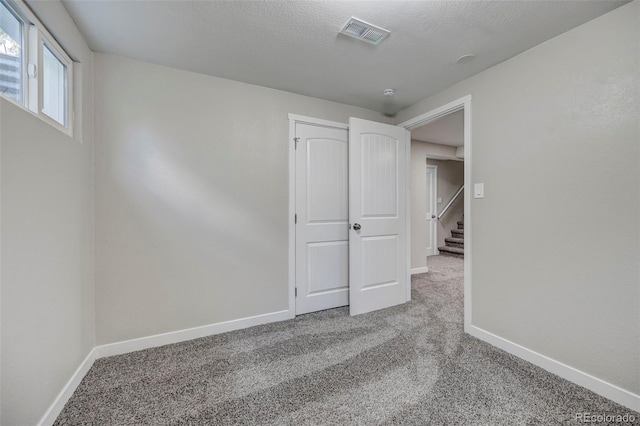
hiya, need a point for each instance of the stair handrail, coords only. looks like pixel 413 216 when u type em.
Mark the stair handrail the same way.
pixel 453 200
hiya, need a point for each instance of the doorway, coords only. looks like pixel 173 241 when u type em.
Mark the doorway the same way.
pixel 462 104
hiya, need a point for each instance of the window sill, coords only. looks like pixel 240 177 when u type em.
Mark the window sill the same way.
pixel 43 117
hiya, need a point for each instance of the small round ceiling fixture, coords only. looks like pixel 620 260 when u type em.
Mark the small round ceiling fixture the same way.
pixel 389 92
pixel 465 58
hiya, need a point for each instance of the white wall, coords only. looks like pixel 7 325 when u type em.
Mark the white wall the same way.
pixel 191 197
pixel 556 142
pixel 47 300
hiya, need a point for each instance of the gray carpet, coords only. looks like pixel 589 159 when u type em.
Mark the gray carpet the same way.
pixel 406 365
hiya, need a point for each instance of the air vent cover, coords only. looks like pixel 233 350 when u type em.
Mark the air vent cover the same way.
pixel 364 31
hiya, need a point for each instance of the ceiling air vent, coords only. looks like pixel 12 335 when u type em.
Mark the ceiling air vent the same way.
pixel 364 31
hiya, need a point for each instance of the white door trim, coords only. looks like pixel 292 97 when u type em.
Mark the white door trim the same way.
pixel 464 104
pixel 434 196
pixel 293 119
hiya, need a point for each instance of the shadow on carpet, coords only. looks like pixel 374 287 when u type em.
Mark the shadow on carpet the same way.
pixel 407 365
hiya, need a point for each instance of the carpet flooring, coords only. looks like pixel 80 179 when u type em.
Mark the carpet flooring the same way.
pixel 407 365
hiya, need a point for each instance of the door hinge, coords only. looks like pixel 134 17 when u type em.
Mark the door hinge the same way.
pixel 295 142
pixel 296 291
pixel 295 218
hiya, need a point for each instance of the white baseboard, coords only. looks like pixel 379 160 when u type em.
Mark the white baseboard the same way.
pixel 127 346
pixel 599 386
pixel 58 404
pixel 150 342
pixel 415 271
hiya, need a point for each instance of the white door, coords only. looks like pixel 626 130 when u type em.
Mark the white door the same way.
pixel 432 213
pixel 378 267
pixel 322 208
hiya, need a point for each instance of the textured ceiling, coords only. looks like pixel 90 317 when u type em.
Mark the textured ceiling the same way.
pixel 295 46
pixel 448 130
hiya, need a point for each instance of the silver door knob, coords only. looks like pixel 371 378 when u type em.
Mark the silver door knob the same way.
pixel 356 226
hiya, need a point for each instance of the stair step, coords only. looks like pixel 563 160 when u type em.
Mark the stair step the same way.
pixel 460 225
pixel 451 251
pixel 454 242
pixel 457 233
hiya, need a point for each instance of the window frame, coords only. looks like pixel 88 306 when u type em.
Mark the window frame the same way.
pixel 43 40
pixel 24 54
pixel 34 39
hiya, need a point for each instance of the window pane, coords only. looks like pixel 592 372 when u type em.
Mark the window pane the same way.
pixel 54 87
pixel 10 55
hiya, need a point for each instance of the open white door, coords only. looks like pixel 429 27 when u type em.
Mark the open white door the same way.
pixel 431 221
pixel 377 216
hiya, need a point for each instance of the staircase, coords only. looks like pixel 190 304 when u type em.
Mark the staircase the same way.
pixel 454 245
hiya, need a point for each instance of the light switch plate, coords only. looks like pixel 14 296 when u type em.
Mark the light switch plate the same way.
pixel 439 200
pixel 478 190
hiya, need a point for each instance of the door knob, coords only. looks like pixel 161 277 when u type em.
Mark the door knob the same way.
pixel 356 226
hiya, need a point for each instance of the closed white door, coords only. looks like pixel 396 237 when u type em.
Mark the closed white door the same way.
pixel 432 213
pixel 377 211
pixel 322 208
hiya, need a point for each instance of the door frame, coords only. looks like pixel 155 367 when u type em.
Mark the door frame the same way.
pixel 293 119
pixel 434 196
pixel 464 104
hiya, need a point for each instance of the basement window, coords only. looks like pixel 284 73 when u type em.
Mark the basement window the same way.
pixel 35 72
pixel 54 86
pixel 11 55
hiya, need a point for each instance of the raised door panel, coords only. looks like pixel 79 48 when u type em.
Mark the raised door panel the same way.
pixel 379 159
pixel 327 184
pixel 328 267
pixel 379 261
